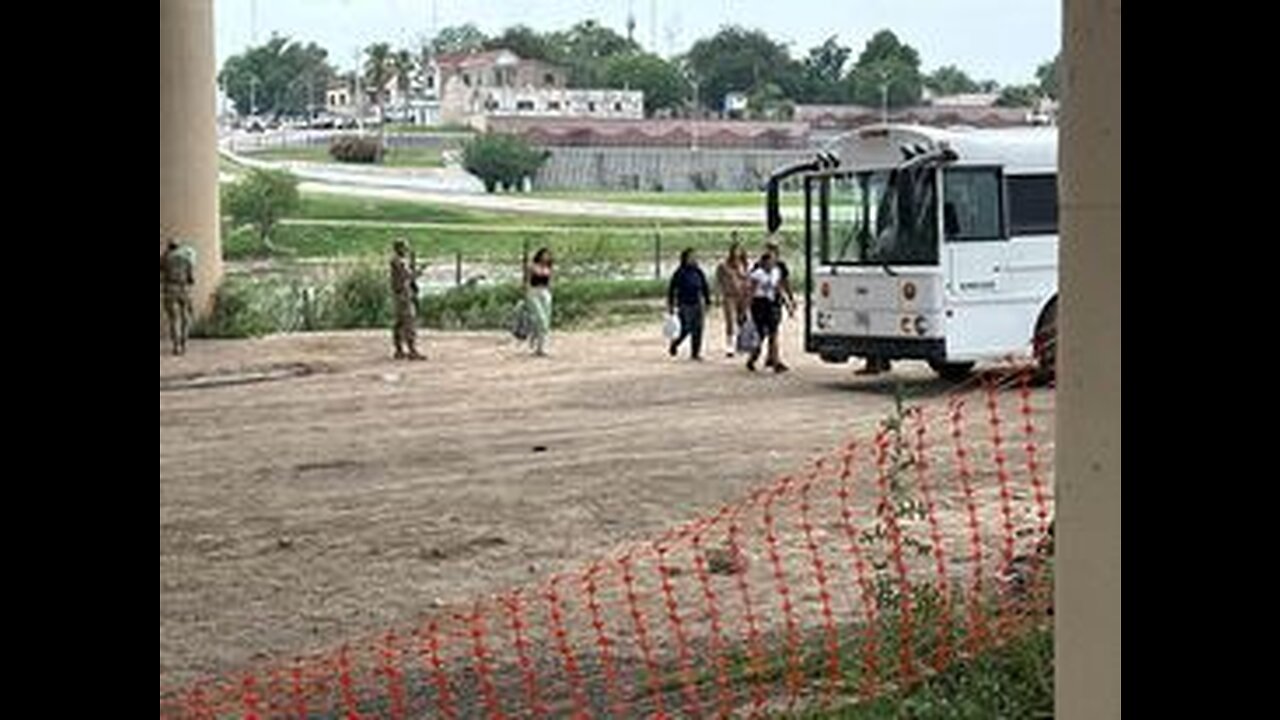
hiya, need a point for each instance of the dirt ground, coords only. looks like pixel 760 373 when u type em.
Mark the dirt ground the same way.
pixel 311 488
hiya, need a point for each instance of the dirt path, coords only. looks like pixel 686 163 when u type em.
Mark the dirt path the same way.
pixel 312 489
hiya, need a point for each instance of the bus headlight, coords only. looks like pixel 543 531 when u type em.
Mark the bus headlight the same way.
pixel 825 289
pixel 909 290
pixel 922 325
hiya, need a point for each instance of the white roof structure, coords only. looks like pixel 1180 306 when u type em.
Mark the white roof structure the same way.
pixel 1018 150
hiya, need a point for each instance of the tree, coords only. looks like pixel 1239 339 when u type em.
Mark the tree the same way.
pixel 277 77
pixel 377 71
pixel 950 80
pixel 663 86
pixel 502 160
pixel 525 42
pixel 585 48
pixel 260 199
pixel 404 66
pixel 1047 76
pixel 823 71
pixel 1019 96
pixel 769 103
pixel 458 39
pixel 739 60
pixel 886 65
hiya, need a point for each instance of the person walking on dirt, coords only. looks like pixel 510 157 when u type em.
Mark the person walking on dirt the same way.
pixel 538 297
pixel 689 295
pixel 735 292
pixel 404 295
pixel 767 300
pixel 779 291
pixel 177 276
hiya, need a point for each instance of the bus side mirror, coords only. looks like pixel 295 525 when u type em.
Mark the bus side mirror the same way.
pixel 772 216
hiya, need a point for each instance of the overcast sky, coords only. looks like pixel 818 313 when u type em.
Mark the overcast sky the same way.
pixel 1002 40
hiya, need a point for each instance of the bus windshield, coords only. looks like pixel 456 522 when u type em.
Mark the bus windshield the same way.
pixel 883 217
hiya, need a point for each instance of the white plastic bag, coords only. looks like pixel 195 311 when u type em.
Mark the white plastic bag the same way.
pixel 671 327
pixel 748 337
pixel 521 321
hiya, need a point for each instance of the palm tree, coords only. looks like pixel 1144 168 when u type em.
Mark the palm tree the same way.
pixel 377 70
pixel 404 67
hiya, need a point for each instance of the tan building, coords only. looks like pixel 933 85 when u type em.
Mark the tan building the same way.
pixel 339 99
pixel 467 88
pixel 417 105
pixel 473 86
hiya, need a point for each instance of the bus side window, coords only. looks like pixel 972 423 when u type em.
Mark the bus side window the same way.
pixel 950 219
pixel 971 209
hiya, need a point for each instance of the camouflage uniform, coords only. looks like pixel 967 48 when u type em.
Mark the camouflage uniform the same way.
pixel 404 294
pixel 177 275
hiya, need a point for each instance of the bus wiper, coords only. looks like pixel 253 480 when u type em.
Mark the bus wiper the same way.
pixel 941 154
pixel 917 159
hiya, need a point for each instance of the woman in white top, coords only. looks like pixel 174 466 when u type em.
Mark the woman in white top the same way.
pixel 767 299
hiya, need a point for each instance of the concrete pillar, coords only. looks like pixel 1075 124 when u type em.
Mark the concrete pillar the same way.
pixel 1087 606
pixel 188 139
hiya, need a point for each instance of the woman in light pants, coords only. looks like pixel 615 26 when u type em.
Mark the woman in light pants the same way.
pixel 538 296
pixel 735 292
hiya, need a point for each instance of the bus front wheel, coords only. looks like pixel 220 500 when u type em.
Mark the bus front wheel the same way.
pixel 952 371
pixel 1045 345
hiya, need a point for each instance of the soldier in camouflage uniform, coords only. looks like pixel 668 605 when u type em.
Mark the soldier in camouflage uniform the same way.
pixel 404 294
pixel 177 275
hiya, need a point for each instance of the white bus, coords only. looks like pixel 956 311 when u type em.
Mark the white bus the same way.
pixel 931 244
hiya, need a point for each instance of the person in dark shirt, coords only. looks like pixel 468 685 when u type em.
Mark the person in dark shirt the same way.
pixel 688 294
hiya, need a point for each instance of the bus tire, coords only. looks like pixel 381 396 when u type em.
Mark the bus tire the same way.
pixel 1045 343
pixel 952 371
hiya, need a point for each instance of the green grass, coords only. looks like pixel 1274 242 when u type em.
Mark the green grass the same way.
pixel 462 130
pixel 575 303
pixel 574 246
pixel 413 157
pixel 327 206
pixel 308 153
pixel 1012 681
pixel 394 157
pixel 714 199
pixel 324 206
pixel 357 297
pixel 225 165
